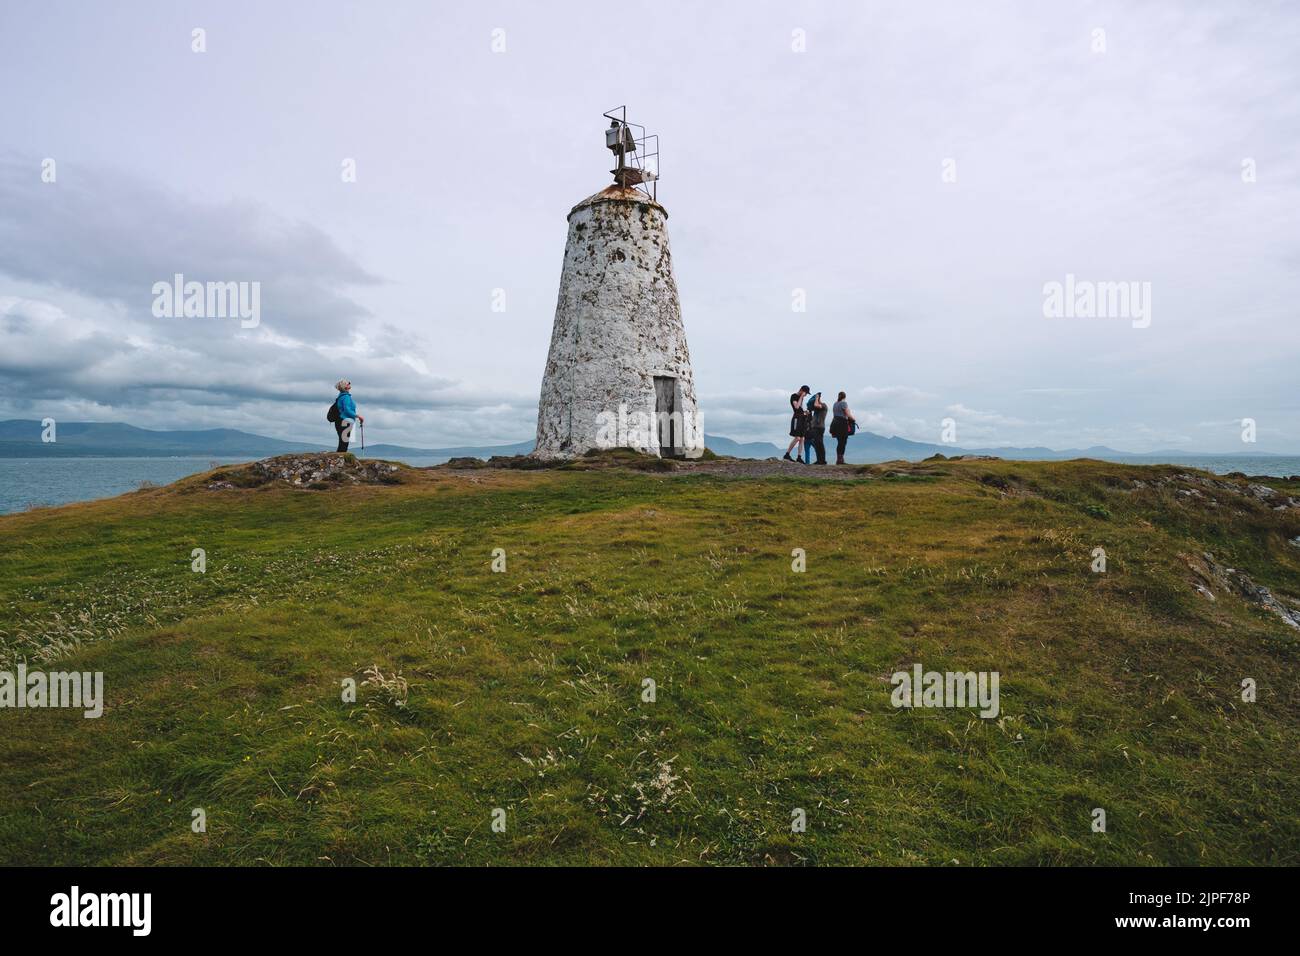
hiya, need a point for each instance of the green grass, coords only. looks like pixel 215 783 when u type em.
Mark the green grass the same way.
pixel 1118 690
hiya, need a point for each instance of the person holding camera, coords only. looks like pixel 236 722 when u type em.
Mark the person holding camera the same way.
pixel 816 429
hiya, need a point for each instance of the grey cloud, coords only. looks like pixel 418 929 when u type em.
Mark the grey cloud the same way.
pixel 110 236
pixel 824 176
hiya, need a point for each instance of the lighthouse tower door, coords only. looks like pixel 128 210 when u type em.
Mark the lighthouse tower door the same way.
pixel 665 415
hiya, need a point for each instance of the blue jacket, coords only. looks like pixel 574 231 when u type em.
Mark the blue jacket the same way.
pixel 347 407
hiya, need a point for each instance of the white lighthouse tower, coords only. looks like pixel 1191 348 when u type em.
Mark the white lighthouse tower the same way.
pixel 619 374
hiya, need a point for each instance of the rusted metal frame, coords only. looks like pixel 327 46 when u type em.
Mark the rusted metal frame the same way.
pixel 641 141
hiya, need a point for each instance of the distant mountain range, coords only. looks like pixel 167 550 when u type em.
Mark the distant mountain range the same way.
pixel 21 438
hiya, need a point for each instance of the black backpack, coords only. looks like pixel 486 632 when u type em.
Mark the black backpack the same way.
pixel 333 414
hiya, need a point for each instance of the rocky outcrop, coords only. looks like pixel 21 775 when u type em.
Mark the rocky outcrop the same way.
pixel 1211 574
pixel 306 471
pixel 1204 488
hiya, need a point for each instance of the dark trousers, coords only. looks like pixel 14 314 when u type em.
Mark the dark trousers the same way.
pixel 813 440
pixel 338 427
pixel 841 440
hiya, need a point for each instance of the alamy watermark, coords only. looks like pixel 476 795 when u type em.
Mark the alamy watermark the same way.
pixel 922 688
pixel 76 908
pixel 208 300
pixel 1086 299
pixel 56 689
pixel 649 429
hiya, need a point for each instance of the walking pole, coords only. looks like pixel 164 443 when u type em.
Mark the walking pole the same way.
pixel 363 435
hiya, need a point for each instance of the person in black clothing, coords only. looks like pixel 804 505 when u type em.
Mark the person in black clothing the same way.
pixel 798 423
pixel 816 427
pixel 842 424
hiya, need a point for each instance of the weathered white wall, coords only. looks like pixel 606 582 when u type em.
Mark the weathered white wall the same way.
pixel 618 324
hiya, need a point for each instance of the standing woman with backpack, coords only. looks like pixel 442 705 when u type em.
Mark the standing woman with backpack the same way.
pixel 343 413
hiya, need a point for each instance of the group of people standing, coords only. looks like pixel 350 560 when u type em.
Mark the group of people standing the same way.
pixel 807 423
pixel 808 426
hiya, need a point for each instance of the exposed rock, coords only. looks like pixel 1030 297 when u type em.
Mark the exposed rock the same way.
pixel 307 471
pixel 522 462
pixel 1238 582
pixel 1241 488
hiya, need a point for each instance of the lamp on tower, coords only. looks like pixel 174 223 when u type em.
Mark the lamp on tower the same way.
pixel 631 169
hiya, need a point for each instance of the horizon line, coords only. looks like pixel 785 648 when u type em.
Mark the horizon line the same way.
pixel 958 449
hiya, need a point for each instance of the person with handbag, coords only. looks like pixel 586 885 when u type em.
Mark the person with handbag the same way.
pixel 843 424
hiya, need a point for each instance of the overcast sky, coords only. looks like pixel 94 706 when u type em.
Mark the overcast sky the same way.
pixel 813 161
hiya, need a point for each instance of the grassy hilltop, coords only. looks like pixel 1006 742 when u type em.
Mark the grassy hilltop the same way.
pixel 523 689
